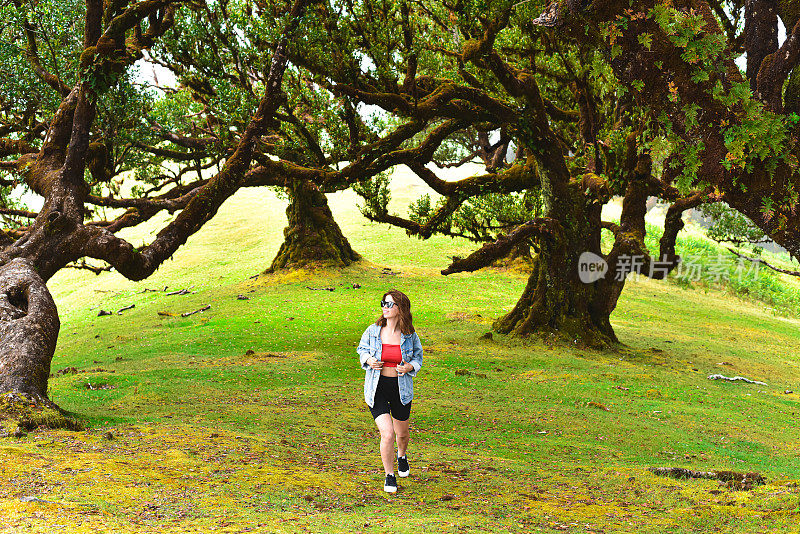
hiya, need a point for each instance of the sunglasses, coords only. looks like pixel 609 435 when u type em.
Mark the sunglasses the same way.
pixel 387 304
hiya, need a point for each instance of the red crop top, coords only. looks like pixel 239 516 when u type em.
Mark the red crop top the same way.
pixel 390 355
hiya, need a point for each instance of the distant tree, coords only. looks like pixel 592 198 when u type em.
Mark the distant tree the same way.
pixel 730 227
pixel 218 56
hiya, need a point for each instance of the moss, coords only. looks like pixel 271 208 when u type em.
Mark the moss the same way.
pixel 791 96
pixel 87 56
pixel 28 413
pixel 471 50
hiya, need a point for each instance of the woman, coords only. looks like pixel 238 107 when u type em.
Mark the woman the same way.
pixel 391 354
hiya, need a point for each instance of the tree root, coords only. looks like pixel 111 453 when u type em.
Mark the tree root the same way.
pixel 20 413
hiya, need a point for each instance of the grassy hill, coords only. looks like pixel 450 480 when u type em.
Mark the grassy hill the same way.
pixel 507 436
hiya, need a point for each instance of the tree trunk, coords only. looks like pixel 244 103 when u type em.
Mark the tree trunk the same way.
pixel 29 330
pixel 312 238
pixel 556 304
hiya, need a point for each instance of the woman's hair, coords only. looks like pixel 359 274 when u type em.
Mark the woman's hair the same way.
pixel 404 319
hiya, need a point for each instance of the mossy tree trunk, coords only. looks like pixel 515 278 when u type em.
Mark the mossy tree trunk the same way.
pixel 312 237
pixel 555 302
pixel 29 328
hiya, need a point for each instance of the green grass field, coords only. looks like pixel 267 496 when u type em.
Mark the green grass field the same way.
pixel 206 437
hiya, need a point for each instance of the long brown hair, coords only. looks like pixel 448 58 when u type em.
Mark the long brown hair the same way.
pixel 404 319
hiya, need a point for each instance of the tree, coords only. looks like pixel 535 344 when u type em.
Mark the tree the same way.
pixel 218 57
pixel 731 132
pixel 730 226
pixel 62 141
pixel 579 136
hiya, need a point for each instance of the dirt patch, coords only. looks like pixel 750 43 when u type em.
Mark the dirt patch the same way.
pixel 471 317
pixel 252 357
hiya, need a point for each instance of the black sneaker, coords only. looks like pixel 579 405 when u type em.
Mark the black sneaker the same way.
pixel 391 484
pixel 402 466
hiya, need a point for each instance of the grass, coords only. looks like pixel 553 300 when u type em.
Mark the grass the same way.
pixel 707 264
pixel 206 437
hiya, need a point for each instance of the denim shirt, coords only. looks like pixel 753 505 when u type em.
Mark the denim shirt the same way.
pixel 371 345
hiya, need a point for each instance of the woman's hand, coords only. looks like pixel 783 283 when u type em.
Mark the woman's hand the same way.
pixel 404 367
pixel 374 363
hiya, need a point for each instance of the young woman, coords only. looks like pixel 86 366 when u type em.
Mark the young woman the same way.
pixel 391 354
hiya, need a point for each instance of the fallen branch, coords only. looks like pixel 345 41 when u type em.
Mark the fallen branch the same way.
pixel 734 379
pixel 91 386
pixel 119 312
pixel 734 479
pixel 145 290
pixel 179 292
pixel 599 406
pixel 35 499
pixel 187 314
pixel 84 265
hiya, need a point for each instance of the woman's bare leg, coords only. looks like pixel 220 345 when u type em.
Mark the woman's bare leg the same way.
pixel 384 423
pixel 401 433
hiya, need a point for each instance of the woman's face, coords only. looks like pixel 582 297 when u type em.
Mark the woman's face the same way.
pixel 390 312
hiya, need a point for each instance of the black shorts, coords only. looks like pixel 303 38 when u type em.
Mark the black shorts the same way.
pixel 387 399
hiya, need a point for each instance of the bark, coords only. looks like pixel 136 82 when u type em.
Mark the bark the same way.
pixel 312 237
pixel 556 303
pixel 29 327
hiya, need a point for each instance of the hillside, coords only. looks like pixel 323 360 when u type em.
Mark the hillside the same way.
pixel 506 436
